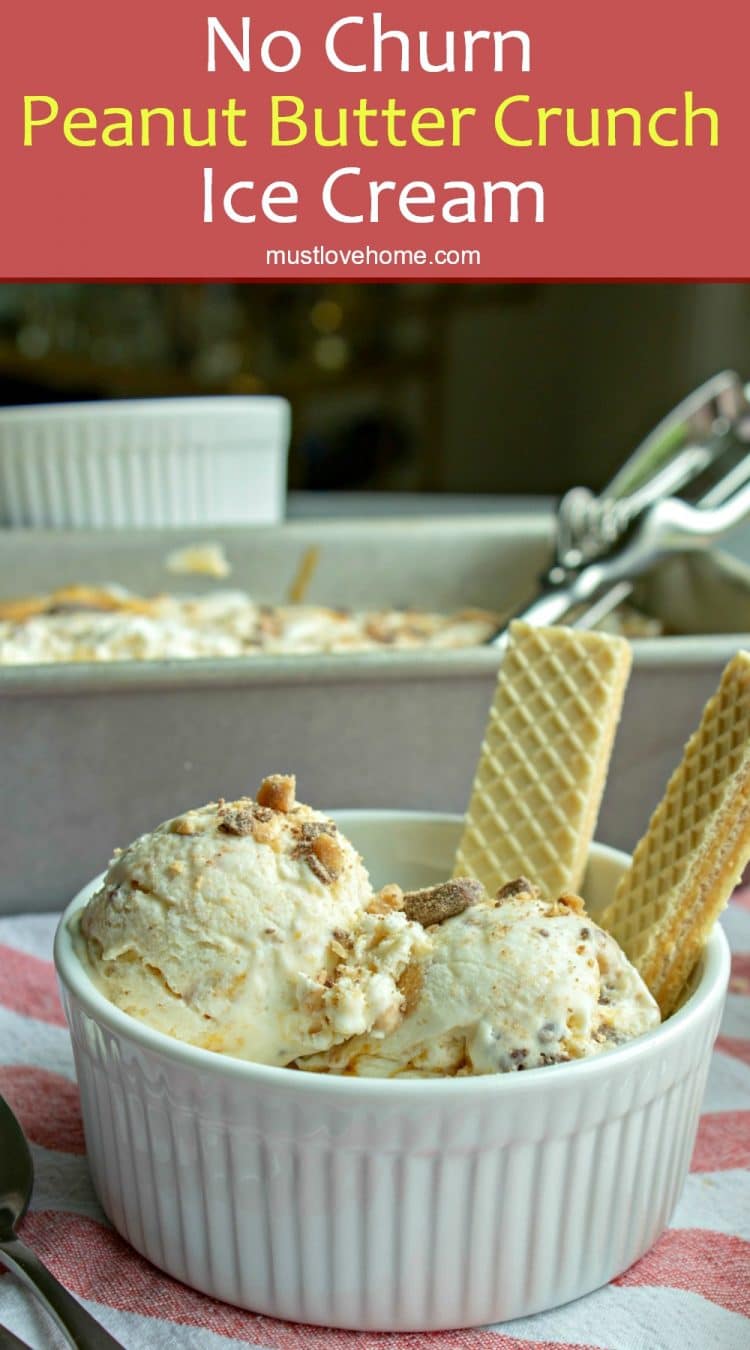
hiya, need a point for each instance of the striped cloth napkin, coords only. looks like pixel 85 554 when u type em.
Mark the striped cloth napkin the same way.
pixel 690 1292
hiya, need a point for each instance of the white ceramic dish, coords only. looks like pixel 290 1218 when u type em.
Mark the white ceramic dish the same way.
pixel 130 462
pixel 391 1205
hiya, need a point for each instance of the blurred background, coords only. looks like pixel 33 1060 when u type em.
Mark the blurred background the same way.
pixel 414 388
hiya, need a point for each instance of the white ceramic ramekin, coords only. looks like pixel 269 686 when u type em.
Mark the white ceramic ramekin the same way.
pixel 167 461
pixel 391 1205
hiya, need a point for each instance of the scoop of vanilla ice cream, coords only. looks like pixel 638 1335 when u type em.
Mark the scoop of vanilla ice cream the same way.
pixel 241 927
pixel 514 983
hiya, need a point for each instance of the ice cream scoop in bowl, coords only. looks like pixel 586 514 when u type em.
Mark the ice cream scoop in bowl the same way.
pixel 389 1203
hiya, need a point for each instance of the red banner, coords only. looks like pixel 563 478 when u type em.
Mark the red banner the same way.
pixel 198 139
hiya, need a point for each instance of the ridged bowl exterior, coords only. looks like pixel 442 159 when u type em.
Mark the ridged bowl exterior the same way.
pixel 395 1205
pixel 144 462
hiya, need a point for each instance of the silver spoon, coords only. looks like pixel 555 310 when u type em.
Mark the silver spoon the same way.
pixel 16 1182
pixel 9 1341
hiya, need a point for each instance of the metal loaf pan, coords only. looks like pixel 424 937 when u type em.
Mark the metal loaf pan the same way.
pixel 90 755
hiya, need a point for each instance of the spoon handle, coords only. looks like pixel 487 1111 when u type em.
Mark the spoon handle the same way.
pixel 81 1329
pixel 9 1341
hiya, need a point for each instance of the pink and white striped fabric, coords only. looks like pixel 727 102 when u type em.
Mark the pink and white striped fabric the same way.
pixel 690 1292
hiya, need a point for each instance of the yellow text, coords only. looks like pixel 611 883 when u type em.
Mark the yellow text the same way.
pixel 119 127
pixel 292 123
pixel 519 124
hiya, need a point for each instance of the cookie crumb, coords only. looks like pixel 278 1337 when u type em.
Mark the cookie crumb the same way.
pixel 434 904
pixel 520 886
pixel 236 817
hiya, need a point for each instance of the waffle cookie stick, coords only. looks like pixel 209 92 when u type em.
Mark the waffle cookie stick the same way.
pixel 695 848
pixel 544 758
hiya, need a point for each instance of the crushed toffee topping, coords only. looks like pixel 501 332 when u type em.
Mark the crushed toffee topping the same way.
pixel 434 904
pixel 410 987
pixel 572 902
pixel 305 832
pixel 245 817
pixel 183 825
pixel 327 851
pixel 566 904
pixel 387 900
pixel 317 846
pixel 277 792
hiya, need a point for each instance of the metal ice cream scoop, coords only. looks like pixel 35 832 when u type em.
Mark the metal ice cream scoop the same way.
pixel 684 487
